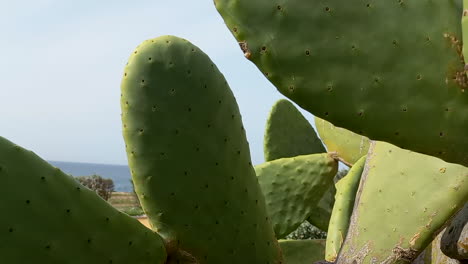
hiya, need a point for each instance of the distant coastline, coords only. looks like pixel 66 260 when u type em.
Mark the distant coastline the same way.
pixel 120 174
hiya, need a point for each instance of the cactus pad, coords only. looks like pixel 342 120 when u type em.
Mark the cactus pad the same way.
pixel 48 217
pixel 346 190
pixel 189 157
pixel 292 186
pixel 302 251
pixel 289 134
pixel 403 201
pixel 349 146
pixel 388 70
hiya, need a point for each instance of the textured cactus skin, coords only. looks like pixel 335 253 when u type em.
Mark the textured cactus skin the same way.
pixel 292 186
pixel 403 200
pixel 302 251
pixel 320 215
pixel 454 241
pixel 346 190
pixel 189 156
pixel 349 146
pixel 289 134
pixel 388 70
pixel 50 218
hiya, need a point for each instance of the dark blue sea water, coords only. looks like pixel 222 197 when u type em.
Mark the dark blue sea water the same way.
pixel 120 174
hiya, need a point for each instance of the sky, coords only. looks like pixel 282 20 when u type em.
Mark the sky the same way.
pixel 62 63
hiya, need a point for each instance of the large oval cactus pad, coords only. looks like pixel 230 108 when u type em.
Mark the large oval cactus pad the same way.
pixel 388 70
pixel 289 134
pixel 189 156
pixel 48 217
pixel 293 187
pixel 413 195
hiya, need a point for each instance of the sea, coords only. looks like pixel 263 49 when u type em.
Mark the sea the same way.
pixel 120 174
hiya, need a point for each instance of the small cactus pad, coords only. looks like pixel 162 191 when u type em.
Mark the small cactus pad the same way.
pixel 189 156
pixel 403 201
pixel 48 217
pixel 349 146
pixel 289 134
pixel 302 251
pixel 454 241
pixel 321 213
pixel 388 70
pixel 292 186
pixel 346 189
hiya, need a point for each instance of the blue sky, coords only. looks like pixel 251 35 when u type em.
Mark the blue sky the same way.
pixel 62 61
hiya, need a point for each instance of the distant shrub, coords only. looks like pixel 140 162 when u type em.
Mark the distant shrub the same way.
pixel 103 187
pixel 307 231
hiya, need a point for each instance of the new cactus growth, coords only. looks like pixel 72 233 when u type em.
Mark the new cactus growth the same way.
pixel 389 70
pixel 48 217
pixel 346 190
pixel 189 156
pixel 293 187
pixel 403 201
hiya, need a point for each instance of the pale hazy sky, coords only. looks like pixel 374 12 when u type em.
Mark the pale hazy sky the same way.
pixel 62 61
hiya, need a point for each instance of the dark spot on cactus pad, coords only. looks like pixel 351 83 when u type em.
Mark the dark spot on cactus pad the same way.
pixel 279 7
pixel 149 59
pixel 326 113
pixel 28 201
pixel 47 247
pixel 292 88
pixel 419 77
pixel 89 240
pixel 441 134
pixel 10 230
pixel 189 109
pixel 368 5
pixel 43 178
pixel 68 210
pixel 397 133
pixel 234 30
pixel 327 9
pixel 130 243
pixel 307 52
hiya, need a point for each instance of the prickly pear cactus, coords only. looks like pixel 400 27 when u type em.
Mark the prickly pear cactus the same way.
pixel 349 146
pixel 403 201
pixel 302 251
pixel 189 156
pixel 289 134
pixel 293 186
pixel 48 217
pixel 346 190
pixel 388 70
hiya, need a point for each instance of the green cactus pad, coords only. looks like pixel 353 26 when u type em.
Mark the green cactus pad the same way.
pixel 346 190
pixel 454 242
pixel 321 213
pixel 349 146
pixel 388 70
pixel 302 251
pixel 48 217
pixel 403 201
pixel 289 134
pixel 292 186
pixel 189 156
